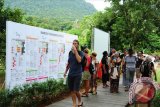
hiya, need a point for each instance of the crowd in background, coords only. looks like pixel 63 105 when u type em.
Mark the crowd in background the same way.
pixel 128 63
pixel 84 66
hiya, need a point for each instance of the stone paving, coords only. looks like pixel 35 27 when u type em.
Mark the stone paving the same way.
pixel 103 99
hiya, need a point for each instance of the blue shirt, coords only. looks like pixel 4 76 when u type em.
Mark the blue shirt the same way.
pixel 130 61
pixel 75 68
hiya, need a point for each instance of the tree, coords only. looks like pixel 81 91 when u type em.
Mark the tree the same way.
pixel 133 23
pixel 84 28
pixel 6 14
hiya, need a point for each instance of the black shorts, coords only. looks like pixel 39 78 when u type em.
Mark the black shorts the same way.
pixel 74 82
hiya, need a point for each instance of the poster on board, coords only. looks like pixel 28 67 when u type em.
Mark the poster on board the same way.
pixel 34 54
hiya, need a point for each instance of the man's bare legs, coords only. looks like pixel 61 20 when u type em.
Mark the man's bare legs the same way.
pixel 79 97
pixel 74 98
pixel 76 94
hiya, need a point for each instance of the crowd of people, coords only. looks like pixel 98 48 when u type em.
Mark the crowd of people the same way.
pixel 83 68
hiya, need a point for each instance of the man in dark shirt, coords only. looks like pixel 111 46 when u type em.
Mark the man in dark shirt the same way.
pixel 75 72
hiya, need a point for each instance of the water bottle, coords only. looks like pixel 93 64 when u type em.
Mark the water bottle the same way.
pixel 64 80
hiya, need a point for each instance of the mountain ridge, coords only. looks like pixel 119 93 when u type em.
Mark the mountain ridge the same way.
pixel 61 9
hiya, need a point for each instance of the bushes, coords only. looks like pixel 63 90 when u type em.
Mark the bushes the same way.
pixel 4 99
pixel 33 95
pixel 158 75
pixel 156 100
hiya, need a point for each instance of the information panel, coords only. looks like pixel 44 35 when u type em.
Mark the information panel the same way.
pixel 101 42
pixel 34 54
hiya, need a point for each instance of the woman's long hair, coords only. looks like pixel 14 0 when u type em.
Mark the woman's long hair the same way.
pixel 105 53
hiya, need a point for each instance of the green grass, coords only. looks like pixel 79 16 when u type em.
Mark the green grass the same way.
pixel 158 75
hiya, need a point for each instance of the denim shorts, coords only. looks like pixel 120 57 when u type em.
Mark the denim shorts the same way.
pixel 74 82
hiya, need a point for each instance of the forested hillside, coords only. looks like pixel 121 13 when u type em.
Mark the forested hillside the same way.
pixel 61 9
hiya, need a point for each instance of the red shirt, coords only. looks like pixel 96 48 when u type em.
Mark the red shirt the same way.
pixel 86 68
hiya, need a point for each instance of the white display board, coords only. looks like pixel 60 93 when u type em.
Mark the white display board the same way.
pixel 34 54
pixel 101 42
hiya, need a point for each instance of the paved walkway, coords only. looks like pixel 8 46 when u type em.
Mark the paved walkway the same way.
pixel 103 99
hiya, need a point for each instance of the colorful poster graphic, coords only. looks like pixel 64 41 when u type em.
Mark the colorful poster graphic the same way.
pixel 17 62
pixel 35 54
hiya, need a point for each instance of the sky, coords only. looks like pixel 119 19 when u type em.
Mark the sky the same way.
pixel 99 4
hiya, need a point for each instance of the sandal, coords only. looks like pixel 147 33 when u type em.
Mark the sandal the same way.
pixel 104 86
pixel 107 85
pixel 84 95
pixel 94 93
pixel 80 105
pixel 90 91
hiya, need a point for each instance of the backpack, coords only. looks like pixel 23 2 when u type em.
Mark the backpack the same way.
pixel 145 68
pixel 84 62
pixel 91 67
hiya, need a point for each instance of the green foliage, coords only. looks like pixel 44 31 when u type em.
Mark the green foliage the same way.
pixel 156 100
pixel 59 9
pixel 33 95
pixel 4 99
pixel 17 15
pixel 53 24
pixel 133 24
pixel 6 14
pixel 158 75
pixel 84 28
pixel 157 53
pixel 9 14
pixel 2 51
